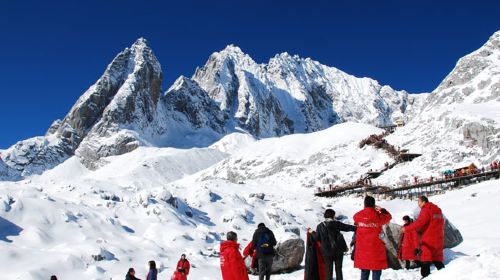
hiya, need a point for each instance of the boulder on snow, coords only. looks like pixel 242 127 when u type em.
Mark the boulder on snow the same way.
pixel 452 236
pixel 257 195
pixel 288 257
pixel 392 234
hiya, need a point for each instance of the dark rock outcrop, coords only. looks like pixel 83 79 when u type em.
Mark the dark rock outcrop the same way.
pixel 289 256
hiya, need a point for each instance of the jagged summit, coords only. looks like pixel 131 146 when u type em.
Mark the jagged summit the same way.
pixel 125 109
pixel 291 94
pixel 140 43
pixel 231 48
pixel 127 91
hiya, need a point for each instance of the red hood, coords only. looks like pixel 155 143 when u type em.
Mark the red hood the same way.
pixel 229 244
pixel 432 207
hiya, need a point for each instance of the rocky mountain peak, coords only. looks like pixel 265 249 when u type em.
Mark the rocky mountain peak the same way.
pixel 125 109
pixel 475 78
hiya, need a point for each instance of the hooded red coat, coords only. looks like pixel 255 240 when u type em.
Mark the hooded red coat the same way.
pixel 181 276
pixel 231 262
pixel 370 250
pixel 430 223
pixel 407 246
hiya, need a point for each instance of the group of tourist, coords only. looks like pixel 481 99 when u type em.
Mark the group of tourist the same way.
pixel 181 271
pixel 421 243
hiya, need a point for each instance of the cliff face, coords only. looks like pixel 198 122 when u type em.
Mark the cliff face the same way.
pixel 290 94
pixel 125 108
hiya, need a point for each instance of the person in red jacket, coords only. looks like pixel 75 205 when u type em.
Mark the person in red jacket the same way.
pixel 408 244
pixel 182 270
pixel 250 251
pixel 370 254
pixel 430 224
pixel 231 262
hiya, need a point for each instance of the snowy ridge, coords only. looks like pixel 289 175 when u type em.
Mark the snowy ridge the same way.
pixel 291 94
pixel 125 109
pixel 332 154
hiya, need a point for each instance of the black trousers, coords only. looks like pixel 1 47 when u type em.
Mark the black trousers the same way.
pixel 408 264
pixel 329 263
pixel 265 265
pixel 425 269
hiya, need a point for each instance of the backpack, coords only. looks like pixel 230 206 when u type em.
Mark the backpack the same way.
pixel 336 240
pixel 264 244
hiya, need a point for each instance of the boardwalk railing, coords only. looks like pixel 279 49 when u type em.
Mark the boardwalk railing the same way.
pixel 411 191
pixel 431 187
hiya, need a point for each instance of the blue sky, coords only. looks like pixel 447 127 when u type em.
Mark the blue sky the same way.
pixel 52 51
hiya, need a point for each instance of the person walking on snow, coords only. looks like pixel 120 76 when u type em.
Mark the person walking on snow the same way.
pixel 333 245
pixel 153 272
pixel 231 262
pixel 408 244
pixel 182 270
pixel 264 241
pixel 430 224
pixel 370 254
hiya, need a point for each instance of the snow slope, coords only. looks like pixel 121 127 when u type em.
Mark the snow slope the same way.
pixel 156 203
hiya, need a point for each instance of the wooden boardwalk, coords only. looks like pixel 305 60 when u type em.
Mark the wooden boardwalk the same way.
pixel 348 190
pixel 364 184
pixel 438 186
pixel 411 191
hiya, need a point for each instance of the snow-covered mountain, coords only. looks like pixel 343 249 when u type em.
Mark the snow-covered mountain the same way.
pixel 290 94
pixel 125 109
pixel 121 102
pixel 133 174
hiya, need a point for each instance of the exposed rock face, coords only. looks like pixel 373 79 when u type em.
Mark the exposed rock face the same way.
pixel 475 78
pixel 7 173
pixel 452 236
pixel 392 234
pixel 291 94
pixel 457 123
pixel 37 154
pixel 185 102
pixel 289 256
pixel 125 118
pixel 125 109
pixel 125 96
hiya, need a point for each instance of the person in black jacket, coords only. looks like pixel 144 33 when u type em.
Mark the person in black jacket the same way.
pixel 333 245
pixel 131 275
pixel 264 241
